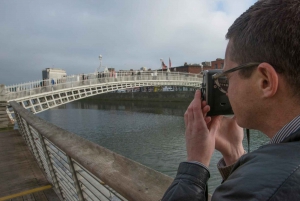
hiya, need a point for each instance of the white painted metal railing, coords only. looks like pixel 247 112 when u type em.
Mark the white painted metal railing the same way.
pixel 87 78
pixel 81 170
pixel 38 98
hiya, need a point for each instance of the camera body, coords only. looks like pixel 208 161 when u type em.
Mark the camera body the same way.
pixel 217 100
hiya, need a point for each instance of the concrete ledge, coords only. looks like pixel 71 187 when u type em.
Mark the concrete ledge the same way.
pixel 132 180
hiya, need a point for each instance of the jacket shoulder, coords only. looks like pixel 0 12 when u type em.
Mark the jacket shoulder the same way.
pixel 269 173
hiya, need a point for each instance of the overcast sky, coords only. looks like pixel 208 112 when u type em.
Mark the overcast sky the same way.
pixel 71 34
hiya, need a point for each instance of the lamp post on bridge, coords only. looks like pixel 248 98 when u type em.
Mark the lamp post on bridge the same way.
pixel 100 58
pixel 99 68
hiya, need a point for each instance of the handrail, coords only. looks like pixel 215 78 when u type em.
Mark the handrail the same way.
pixel 82 170
pixel 49 96
pixel 84 77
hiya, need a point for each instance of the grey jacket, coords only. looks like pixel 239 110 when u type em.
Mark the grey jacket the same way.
pixel 271 172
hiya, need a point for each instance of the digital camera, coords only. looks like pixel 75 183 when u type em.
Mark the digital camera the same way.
pixel 214 97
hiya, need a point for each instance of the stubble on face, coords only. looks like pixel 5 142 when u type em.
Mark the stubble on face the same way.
pixel 239 91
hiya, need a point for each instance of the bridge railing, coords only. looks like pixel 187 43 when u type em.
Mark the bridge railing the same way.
pixel 88 78
pixel 28 89
pixel 81 170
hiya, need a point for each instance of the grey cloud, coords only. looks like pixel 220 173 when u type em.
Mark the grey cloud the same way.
pixel 71 34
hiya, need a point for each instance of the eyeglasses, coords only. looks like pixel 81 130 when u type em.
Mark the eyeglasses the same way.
pixel 222 81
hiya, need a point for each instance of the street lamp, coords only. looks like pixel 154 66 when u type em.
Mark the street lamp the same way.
pixel 99 68
pixel 100 58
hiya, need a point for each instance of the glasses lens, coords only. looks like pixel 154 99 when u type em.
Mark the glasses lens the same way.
pixel 222 83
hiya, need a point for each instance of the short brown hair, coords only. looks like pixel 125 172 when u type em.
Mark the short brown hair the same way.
pixel 269 31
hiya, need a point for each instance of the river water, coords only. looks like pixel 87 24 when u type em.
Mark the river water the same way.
pixel 151 133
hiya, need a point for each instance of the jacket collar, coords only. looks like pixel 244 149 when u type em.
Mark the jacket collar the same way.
pixel 293 137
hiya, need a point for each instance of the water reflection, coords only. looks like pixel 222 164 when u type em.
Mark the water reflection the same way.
pixel 167 108
pixel 151 133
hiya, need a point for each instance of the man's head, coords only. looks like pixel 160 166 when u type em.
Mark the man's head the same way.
pixel 269 31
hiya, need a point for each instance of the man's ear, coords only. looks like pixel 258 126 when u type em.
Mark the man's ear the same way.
pixel 268 79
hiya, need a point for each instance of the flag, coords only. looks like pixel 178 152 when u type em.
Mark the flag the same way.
pixel 163 65
pixel 170 64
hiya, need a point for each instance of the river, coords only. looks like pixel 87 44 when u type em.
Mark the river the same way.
pixel 151 133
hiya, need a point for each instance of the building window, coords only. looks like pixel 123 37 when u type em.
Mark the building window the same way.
pixel 222 65
pixel 216 66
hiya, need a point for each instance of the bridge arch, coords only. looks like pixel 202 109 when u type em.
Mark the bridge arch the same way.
pixel 41 98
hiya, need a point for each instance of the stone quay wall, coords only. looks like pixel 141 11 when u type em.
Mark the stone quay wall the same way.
pixel 168 96
pixel 5 122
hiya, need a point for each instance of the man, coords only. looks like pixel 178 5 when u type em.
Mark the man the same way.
pixel 264 45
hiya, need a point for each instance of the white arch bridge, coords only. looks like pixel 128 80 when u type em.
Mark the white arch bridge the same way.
pixel 42 95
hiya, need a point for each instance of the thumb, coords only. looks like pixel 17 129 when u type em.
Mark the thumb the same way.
pixel 215 123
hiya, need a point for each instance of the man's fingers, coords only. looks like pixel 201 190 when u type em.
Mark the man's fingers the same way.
pixel 203 103
pixel 199 117
pixel 186 118
pixel 215 122
pixel 205 110
pixel 194 106
pixel 197 95
pixel 186 114
pixel 196 111
pixel 190 114
pixel 207 120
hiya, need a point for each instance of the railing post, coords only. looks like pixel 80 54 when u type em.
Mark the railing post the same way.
pixel 50 165
pixel 75 179
pixel 30 88
pixel 22 128
pixel 34 147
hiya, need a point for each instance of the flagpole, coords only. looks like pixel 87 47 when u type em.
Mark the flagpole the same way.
pixel 161 60
pixel 170 64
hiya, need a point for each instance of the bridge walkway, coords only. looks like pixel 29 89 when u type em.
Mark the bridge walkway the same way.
pixel 20 176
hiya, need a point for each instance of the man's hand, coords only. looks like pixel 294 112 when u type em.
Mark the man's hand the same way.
pixel 200 143
pixel 228 136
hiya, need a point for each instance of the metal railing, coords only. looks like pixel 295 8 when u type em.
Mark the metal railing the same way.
pixel 18 91
pixel 81 170
pixel 44 97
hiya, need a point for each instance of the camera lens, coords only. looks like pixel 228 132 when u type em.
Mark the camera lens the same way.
pixel 223 84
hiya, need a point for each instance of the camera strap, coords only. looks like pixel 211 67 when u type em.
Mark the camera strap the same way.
pixel 248 139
